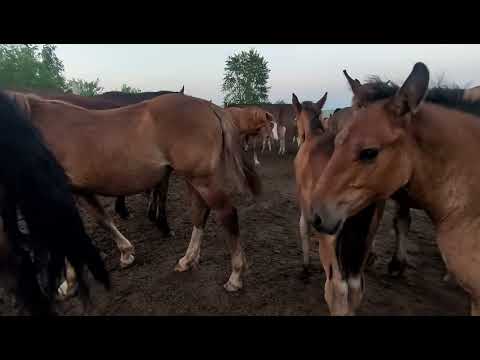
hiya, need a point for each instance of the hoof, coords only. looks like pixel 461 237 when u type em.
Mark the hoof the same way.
pixel 123 214
pixel 305 274
pixel 127 261
pixel 230 287
pixel 447 277
pixel 185 265
pixel 64 293
pixel 165 232
pixel 396 268
pixel 372 259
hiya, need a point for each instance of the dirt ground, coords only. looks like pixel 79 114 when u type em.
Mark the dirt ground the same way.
pixel 272 285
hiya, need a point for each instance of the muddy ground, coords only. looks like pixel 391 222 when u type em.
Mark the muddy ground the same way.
pixel 269 228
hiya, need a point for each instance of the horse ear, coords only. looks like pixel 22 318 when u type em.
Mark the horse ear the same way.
pixel 269 116
pixel 413 91
pixel 321 102
pixel 354 84
pixel 296 104
pixel 182 90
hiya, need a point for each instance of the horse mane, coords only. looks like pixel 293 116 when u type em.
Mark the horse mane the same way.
pixel 35 183
pixel 450 97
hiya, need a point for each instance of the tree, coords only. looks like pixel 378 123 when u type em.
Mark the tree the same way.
pixel 31 67
pixel 84 88
pixel 280 102
pixel 130 90
pixel 246 77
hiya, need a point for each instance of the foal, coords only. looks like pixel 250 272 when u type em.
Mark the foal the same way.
pixel 345 255
pixel 424 142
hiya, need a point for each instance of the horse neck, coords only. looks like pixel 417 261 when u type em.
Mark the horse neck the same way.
pixel 444 146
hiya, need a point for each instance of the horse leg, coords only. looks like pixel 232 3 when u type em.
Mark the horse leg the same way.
pixel 94 207
pixel 161 191
pixel 336 288
pixel 401 224
pixel 121 207
pixel 269 141
pixel 304 235
pixel 69 287
pixel 200 212
pixel 152 205
pixel 283 130
pixel 255 157
pixel 226 215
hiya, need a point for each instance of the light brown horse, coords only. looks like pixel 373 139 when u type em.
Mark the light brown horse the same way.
pixel 252 121
pixel 302 123
pixel 425 142
pixel 401 218
pixel 128 150
pixel 344 256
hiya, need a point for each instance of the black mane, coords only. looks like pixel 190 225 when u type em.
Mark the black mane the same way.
pixel 450 97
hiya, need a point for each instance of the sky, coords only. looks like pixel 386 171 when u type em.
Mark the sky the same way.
pixel 307 70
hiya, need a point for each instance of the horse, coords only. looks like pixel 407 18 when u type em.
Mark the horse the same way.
pixel 423 142
pixel 344 256
pixel 127 150
pixel 111 100
pixel 32 181
pixel 401 219
pixel 252 122
pixel 283 115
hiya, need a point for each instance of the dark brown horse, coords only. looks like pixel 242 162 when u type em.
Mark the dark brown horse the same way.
pixel 422 141
pixel 127 150
pixel 344 255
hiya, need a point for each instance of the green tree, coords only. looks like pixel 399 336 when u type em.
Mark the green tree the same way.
pixel 84 88
pixel 130 90
pixel 31 67
pixel 246 77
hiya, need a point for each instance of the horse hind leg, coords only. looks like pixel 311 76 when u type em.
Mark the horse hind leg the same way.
pixel 401 224
pixel 305 238
pixel 226 215
pixel 69 287
pixel 121 207
pixel 161 191
pixel 200 212
pixel 127 250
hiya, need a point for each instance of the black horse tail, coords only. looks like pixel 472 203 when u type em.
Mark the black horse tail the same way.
pixel 33 182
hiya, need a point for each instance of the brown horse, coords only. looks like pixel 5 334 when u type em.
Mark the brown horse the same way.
pixel 401 219
pixel 251 122
pixel 112 100
pixel 418 140
pixel 130 149
pixel 345 255
pixel 284 117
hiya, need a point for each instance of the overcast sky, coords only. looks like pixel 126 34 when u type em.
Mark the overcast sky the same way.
pixel 307 70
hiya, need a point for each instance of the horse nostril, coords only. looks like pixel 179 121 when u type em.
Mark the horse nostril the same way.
pixel 317 221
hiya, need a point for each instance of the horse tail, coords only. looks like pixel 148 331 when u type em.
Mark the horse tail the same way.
pixel 233 158
pixel 36 184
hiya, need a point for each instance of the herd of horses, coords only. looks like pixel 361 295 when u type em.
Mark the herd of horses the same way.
pixel 411 144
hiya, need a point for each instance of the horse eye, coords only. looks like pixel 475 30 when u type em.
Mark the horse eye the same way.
pixel 368 155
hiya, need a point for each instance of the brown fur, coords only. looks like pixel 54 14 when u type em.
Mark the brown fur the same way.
pixel 425 147
pixel 344 255
pixel 127 150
